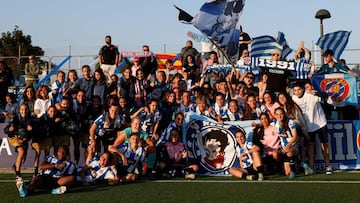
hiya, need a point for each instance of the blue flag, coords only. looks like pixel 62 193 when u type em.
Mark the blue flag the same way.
pixel 220 21
pixel 286 50
pixel 341 87
pixel 335 41
pixel 263 45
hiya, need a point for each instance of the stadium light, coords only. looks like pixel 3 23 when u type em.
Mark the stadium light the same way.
pixel 322 14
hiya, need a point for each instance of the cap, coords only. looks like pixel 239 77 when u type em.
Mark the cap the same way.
pixel 328 52
pixel 136 59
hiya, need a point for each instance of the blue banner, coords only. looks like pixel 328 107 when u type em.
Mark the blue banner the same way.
pixel 341 87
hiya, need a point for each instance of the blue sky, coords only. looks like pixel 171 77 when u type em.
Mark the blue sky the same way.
pixel 56 25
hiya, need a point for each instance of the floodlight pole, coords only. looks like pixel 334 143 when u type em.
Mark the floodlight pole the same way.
pixel 322 14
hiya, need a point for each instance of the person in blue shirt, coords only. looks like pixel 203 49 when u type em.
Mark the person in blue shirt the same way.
pixel 85 83
pixel 11 107
pixel 332 67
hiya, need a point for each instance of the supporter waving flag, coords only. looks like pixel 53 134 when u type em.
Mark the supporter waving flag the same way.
pixel 219 21
pixel 263 45
pixel 335 41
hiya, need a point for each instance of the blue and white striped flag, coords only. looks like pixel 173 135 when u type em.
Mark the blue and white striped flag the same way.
pixel 335 41
pixel 263 45
pixel 286 49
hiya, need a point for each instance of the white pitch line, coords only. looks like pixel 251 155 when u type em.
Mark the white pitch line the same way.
pixel 244 181
pixel 265 181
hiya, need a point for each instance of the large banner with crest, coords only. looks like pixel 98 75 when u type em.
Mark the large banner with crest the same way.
pixel 212 146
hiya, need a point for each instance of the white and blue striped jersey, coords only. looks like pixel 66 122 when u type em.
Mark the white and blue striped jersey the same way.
pixel 246 160
pixel 284 135
pixel 185 109
pixel 148 120
pixel 303 68
pixel 96 173
pixel 107 128
pixel 69 169
pixel 134 158
pixel 222 111
pixel 234 116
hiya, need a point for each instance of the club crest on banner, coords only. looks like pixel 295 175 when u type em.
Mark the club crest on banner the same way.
pixel 211 145
pixel 337 88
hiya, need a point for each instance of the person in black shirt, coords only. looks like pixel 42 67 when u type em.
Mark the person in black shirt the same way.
pixel 109 56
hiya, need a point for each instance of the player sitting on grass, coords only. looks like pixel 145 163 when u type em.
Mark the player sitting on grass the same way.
pixel 249 158
pixel 57 173
pixel 173 163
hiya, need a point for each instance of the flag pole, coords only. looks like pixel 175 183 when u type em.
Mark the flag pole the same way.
pixel 223 52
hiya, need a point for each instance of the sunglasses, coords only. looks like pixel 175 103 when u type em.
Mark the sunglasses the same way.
pixel 250 77
pixel 275 54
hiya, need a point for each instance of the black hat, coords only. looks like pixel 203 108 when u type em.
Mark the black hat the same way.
pixel 196 88
pixel 328 52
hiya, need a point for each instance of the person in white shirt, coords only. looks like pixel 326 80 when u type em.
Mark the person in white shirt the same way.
pixel 316 123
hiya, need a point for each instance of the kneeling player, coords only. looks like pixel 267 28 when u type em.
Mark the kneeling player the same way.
pixel 286 128
pixel 131 159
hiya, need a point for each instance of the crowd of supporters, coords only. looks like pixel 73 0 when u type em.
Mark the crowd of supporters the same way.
pixel 130 123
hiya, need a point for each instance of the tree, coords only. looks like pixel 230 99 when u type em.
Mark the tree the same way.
pixel 11 42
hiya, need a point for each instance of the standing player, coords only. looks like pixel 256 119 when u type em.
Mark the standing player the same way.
pixel 104 129
pixel 19 132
